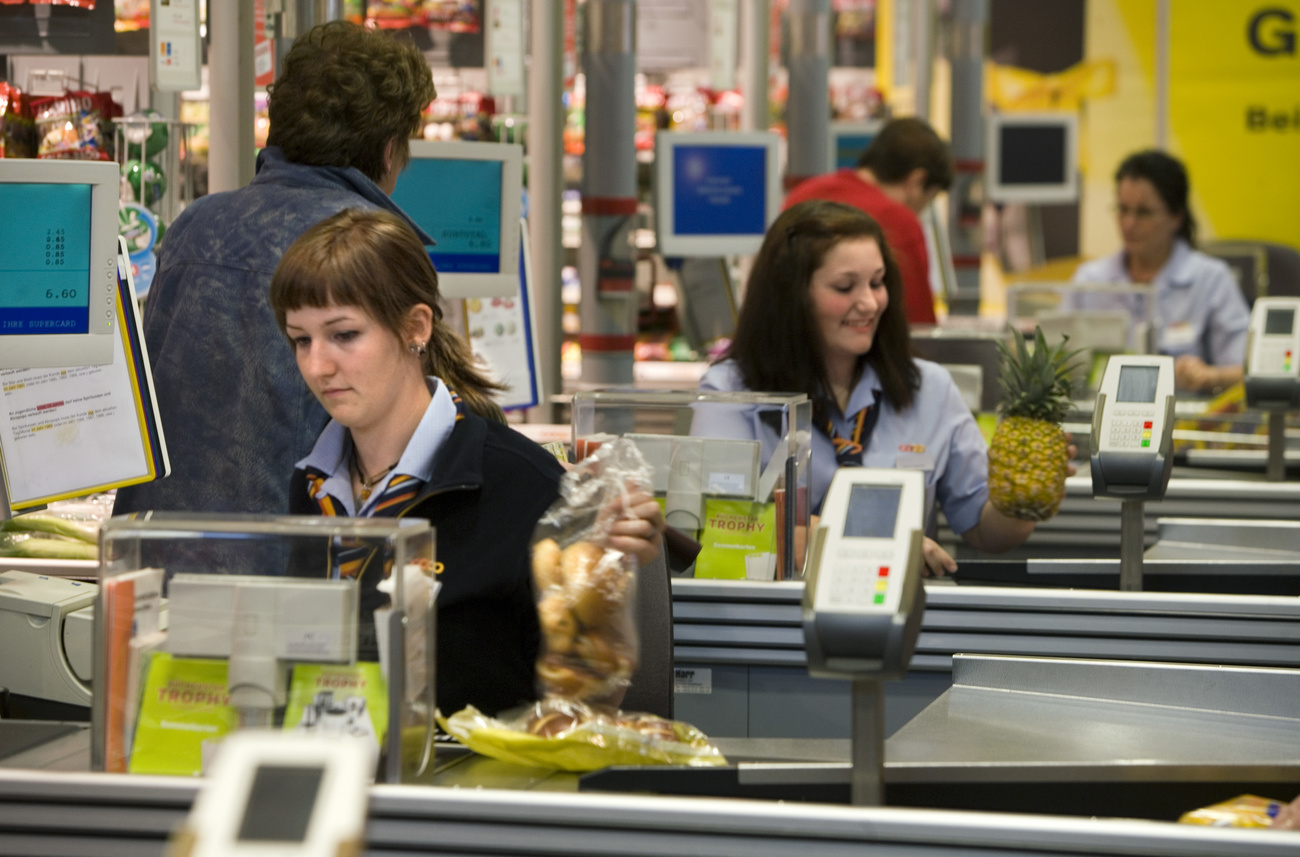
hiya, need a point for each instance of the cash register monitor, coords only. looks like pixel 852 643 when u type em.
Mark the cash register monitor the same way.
pixel 848 140
pixel 467 196
pixel 716 192
pixel 58 262
pixel 1032 157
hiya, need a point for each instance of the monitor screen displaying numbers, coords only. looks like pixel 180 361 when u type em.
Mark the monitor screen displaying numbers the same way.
pixel 45 259
pixel 458 202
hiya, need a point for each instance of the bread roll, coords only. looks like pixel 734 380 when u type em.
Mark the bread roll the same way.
pixel 558 623
pixel 597 655
pixel 600 593
pixel 546 565
pixel 551 723
pixel 650 726
pixel 576 561
pixel 560 678
pixel 586 650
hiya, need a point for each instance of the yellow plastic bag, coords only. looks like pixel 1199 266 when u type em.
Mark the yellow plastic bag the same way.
pixel 570 736
pixel 1225 424
pixel 1240 811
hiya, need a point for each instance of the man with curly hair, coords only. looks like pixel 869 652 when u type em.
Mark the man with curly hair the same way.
pixel 236 412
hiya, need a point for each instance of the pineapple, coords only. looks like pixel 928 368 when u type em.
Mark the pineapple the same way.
pixel 1028 457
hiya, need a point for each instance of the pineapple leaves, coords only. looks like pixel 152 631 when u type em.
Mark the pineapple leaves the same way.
pixel 1037 384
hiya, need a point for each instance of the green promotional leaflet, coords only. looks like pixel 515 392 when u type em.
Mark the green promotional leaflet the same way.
pixel 185 706
pixel 738 540
pixel 185 711
pixel 338 700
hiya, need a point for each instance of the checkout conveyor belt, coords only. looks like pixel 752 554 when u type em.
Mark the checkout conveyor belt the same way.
pixel 760 624
pixel 1190 555
pixel 742 671
pixel 1023 735
pixel 1092 738
pixel 1089 527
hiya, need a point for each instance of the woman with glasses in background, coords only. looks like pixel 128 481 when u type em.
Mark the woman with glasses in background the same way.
pixel 1200 314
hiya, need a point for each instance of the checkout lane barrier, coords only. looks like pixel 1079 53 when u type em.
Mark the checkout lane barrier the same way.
pixel 99 814
pixel 741 668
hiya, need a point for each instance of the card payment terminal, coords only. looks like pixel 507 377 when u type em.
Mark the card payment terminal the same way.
pixel 863 599
pixel 280 794
pixel 1273 355
pixel 1132 428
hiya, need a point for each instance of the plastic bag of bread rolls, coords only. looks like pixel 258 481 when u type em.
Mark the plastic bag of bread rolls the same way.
pixel 585 590
pixel 573 736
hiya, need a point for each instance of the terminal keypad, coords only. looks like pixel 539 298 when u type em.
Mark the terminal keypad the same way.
pixel 1130 429
pixel 1275 358
pixel 861 577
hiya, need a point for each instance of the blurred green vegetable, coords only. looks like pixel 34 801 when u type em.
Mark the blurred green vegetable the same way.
pixel 87 532
pixel 34 546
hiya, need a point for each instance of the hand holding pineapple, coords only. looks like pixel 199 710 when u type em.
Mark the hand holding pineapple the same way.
pixel 1030 454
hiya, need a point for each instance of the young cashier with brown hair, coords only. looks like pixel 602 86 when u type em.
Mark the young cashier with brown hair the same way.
pixel 414 433
pixel 823 316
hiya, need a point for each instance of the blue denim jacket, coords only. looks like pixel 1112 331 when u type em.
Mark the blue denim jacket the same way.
pixel 235 411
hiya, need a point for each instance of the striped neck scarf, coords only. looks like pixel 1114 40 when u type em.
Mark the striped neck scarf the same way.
pixel 849 450
pixel 397 496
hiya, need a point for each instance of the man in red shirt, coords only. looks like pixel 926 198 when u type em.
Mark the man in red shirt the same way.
pixel 898 175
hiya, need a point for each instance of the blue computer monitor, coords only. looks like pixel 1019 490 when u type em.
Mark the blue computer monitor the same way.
pixel 1032 158
pixel 848 140
pixel 716 192
pixel 58 262
pixel 467 196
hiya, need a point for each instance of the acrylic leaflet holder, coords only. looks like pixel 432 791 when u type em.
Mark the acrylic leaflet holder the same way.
pixel 723 465
pixel 212 623
pixel 1111 318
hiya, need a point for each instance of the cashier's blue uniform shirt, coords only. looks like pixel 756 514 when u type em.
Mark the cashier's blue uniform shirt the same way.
pixel 936 434
pixel 1199 307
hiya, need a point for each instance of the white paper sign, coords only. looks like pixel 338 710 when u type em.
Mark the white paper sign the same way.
pixel 503 336
pixel 175 55
pixel 505 47
pixel 64 429
pixel 723 26
pixel 498 334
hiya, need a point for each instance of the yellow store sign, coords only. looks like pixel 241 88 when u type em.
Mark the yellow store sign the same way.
pixel 1234 113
